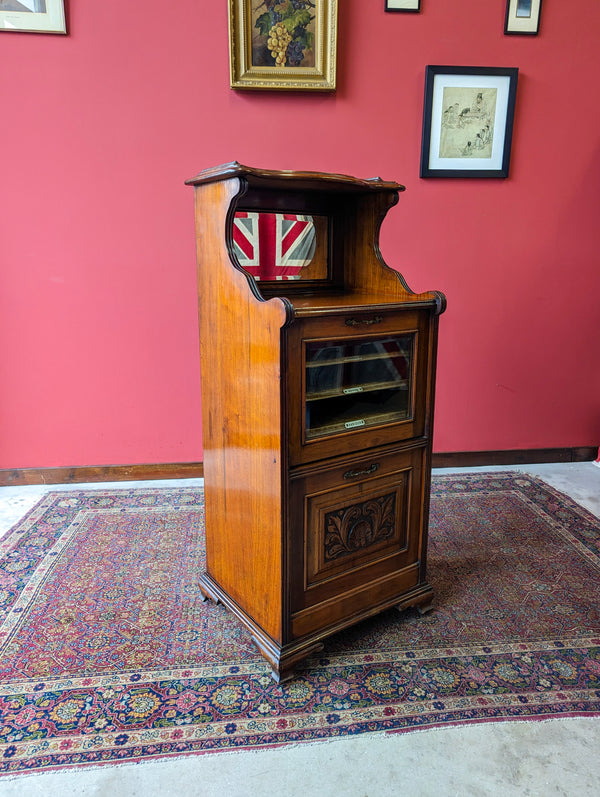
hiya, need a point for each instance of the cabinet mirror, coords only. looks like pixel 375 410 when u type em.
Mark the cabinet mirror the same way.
pixel 281 246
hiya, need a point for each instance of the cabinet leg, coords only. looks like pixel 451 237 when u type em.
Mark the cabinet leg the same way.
pixel 425 608
pixel 280 675
pixel 284 662
pixel 206 592
pixel 422 608
pixel 421 599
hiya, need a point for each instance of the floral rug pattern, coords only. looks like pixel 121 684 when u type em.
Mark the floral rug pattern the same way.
pixel 107 652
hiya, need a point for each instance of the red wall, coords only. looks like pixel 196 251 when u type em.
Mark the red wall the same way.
pixel 100 129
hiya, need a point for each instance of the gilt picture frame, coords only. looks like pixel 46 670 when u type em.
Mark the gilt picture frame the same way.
pixel 33 16
pixel 468 120
pixel 283 45
pixel 522 17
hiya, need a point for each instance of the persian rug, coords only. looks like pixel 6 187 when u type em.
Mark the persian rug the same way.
pixel 108 654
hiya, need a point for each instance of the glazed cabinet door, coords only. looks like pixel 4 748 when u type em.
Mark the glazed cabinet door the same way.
pixel 355 537
pixel 356 382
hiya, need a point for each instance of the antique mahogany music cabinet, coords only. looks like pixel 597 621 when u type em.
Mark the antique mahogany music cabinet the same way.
pixel 318 370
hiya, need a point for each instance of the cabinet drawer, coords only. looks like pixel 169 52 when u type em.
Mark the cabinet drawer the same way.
pixel 355 535
pixel 356 382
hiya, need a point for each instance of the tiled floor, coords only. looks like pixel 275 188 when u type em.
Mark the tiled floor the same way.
pixel 556 757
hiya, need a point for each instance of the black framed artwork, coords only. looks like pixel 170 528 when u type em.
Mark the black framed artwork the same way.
pixel 523 17
pixel 468 121
pixel 403 5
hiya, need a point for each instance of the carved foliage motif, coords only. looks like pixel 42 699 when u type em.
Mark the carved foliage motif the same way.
pixel 354 528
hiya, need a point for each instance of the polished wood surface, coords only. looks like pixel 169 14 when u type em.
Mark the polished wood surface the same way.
pixel 241 419
pixel 281 179
pixel 308 533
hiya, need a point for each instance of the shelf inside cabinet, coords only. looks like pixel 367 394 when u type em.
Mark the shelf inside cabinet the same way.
pixel 350 391
pixel 355 358
pixel 356 411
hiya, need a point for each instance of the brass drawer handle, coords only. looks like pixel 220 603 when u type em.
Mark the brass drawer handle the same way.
pixel 353 474
pixel 354 322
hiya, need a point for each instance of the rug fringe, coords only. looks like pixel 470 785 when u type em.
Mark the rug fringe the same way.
pixel 286 747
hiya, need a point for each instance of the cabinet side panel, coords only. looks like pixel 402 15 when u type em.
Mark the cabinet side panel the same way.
pixel 240 369
pixel 366 271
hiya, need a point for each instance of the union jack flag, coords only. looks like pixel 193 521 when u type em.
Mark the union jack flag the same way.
pixel 274 246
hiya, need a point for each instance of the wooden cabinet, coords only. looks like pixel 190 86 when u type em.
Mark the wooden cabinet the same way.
pixel 318 370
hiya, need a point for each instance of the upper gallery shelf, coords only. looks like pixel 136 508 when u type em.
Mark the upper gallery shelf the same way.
pixel 310 238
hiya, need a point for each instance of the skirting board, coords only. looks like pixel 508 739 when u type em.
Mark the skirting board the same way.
pixel 108 473
pixel 195 470
pixel 529 456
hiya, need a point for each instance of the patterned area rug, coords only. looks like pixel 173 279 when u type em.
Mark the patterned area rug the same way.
pixel 108 654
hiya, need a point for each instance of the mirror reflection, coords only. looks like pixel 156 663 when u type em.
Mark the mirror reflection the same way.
pixel 281 246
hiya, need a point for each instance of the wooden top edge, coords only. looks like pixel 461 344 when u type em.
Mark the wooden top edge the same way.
pixel 321 180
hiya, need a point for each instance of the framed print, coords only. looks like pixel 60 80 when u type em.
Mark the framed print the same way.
pixel 402 5
pixel 467 121
pixel 34 16
pixel 283 44
pixel 523 16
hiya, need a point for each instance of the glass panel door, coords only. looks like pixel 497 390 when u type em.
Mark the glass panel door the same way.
pixel 353 384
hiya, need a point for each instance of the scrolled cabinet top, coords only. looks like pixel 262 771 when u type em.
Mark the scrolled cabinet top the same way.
pixel 302 180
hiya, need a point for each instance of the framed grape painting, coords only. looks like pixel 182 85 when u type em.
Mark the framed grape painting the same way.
pixel 283 44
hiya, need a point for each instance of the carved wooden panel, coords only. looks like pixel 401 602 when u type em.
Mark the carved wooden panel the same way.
pixel 358 526
pixel 355 525
pixel 351 541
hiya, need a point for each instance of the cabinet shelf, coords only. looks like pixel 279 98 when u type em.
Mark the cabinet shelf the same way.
pixel 357 390
pixel 356 358
pixel 343 413
pixel 350 367
pixel 358 423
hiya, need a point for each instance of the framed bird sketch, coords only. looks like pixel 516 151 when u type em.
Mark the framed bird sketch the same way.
pixel 467 121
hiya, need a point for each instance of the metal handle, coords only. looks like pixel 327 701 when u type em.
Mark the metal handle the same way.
pixel 352 474
pixel 356 322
